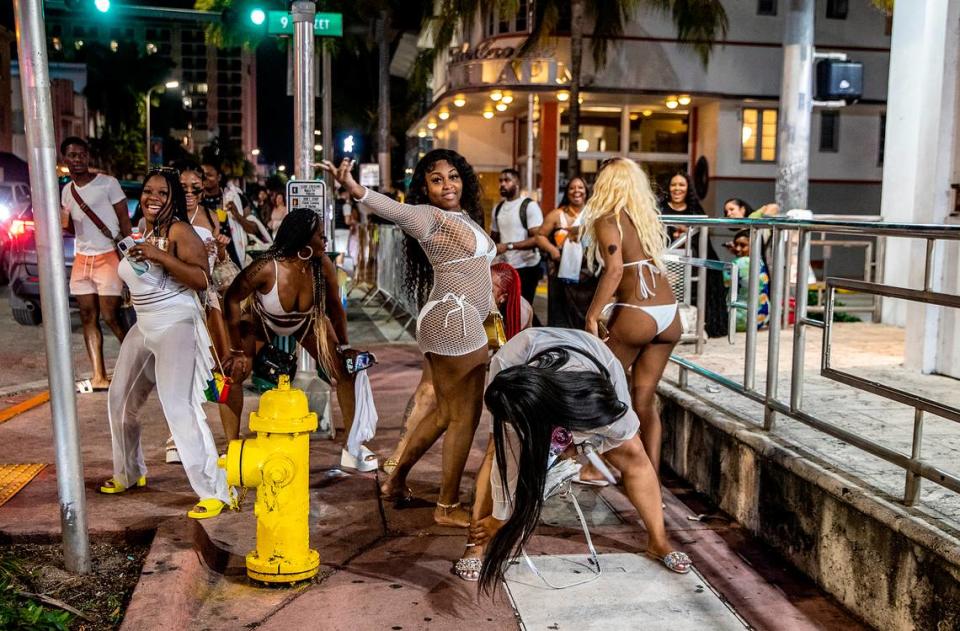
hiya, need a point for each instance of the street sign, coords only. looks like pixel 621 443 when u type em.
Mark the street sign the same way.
pixel 310 194
pixel 370 174
pixel 324 24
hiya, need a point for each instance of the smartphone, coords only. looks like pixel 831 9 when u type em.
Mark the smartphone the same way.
pixel 361 361
pixel 124 246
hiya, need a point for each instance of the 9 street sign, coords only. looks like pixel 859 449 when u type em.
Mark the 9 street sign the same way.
pixel 324 24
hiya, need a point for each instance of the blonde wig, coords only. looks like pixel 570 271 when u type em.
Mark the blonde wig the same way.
pixel 622 187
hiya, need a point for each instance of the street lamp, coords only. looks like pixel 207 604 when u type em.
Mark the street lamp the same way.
pixel 169 85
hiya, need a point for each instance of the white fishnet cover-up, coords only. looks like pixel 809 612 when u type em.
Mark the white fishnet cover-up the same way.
pixel 451 322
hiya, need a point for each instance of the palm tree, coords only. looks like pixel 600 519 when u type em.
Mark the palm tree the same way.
pixel 697 23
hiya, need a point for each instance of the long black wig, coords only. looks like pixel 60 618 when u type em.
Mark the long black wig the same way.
pixel 534 398
pixel 419 273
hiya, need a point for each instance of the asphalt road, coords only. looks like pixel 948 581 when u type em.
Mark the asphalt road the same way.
pixel 23 362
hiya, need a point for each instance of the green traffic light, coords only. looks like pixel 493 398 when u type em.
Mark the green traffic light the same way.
pixel 258 16
pixel 103 6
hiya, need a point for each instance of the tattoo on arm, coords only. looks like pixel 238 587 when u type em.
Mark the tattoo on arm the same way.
pixel 611 248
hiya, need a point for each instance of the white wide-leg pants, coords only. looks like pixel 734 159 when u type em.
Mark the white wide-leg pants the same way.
pixel 165 355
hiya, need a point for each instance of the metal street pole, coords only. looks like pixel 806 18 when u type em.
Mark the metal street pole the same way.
pixel 303 116
pixel 796 106
pixel 383 137
pixel 328 139
pixel 42 158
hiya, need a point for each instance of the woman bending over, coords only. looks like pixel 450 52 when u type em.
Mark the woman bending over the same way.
pixel 450 328
pixel 294 293
pixel 542 379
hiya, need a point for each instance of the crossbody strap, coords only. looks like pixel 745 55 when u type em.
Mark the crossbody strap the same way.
pixel 92 216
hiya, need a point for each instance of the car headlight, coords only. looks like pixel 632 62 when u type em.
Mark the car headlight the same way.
pixel 4 212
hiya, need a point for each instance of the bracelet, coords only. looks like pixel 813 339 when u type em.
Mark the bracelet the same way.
pixel 509 246
pixel 343 347
pixel 238 351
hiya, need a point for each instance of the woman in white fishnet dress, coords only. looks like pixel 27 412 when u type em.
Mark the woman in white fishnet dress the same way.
pixel 450 326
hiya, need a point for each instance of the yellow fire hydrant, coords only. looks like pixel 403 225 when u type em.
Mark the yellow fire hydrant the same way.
pixel 276 463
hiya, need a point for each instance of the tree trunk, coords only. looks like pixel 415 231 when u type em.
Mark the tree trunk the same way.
pixel 383 135
pixel 576 64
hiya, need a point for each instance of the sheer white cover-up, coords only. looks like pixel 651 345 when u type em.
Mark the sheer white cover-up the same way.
pixel 451 322
pixel 168 348
pixel 521 349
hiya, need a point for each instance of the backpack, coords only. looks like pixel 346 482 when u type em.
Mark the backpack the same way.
pixel 523 212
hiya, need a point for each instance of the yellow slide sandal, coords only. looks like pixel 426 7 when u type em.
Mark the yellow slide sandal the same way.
pixel 205 509
pixel 112 486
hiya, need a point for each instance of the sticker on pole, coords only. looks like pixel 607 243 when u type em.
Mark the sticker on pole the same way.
pixel 310 194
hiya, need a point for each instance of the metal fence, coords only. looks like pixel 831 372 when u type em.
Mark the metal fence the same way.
pixel 783 233
pixel 385 279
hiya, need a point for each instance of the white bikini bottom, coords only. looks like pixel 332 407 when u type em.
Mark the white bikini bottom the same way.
pixel 662 315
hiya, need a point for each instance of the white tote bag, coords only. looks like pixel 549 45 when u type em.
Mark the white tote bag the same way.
pixel 571 258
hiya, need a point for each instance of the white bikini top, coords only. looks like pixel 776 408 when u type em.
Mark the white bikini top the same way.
pixel 205 236
pixel 481 247
pixel 270 301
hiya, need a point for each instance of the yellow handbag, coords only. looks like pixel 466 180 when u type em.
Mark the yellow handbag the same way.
pixel 496 334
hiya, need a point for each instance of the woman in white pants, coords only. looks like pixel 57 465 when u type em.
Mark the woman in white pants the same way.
pixel 168 348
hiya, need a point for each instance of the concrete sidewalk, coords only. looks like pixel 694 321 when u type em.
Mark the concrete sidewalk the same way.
pixel 385 568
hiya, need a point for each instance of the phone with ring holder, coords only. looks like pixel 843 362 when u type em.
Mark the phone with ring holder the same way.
pixel 359 362
pixel 124 245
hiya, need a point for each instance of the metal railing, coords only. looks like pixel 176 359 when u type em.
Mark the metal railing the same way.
pixel 782 231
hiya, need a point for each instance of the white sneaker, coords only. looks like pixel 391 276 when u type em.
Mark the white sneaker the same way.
pixel 172 455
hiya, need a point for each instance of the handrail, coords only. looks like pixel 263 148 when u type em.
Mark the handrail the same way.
pixel 889 229
pixel 782 231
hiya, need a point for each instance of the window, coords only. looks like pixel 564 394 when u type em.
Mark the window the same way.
pixel 830 131
pixel 758 135
pixel 837 9
pixel 766 7
pixel 883 138
pixel 498 23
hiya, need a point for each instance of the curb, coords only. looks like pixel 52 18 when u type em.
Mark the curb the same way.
pixel 173 582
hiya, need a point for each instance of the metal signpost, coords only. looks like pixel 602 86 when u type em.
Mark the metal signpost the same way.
pixel 42 155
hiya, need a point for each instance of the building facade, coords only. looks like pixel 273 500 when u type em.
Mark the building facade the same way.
pixel 217 86
pixel 655 102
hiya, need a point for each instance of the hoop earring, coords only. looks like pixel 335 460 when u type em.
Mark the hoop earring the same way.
pixel 307 257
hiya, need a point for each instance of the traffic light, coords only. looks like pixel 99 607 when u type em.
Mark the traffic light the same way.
pixel 103 6
pixel 258 16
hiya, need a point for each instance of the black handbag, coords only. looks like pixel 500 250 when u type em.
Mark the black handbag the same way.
pixel 271 362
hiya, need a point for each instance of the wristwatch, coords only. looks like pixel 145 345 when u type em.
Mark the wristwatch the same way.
pixel 509 246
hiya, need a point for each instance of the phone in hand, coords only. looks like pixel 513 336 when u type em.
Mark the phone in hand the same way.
pixel 124 246
pixel 360 361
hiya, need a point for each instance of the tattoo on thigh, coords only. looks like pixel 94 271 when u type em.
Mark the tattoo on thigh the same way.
pixel 406 415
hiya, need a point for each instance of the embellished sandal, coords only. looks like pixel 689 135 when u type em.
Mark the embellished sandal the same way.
pixel 112 486
pixel 468 568
pixel 390 464
pixel 675 561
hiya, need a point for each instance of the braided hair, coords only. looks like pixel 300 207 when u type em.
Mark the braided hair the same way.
pixel 176 209
pixel 419 272
pixel 295 233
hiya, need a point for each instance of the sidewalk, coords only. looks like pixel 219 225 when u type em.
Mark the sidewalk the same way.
pixel 384 568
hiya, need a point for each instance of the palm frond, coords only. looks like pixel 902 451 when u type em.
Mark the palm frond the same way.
pixel 698 23
pixel 546 15
pixel 609 19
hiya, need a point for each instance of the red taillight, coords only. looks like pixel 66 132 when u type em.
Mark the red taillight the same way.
pixel 19 227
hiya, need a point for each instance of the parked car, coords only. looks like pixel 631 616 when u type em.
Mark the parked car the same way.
pixel 14 198
pixel 21 259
